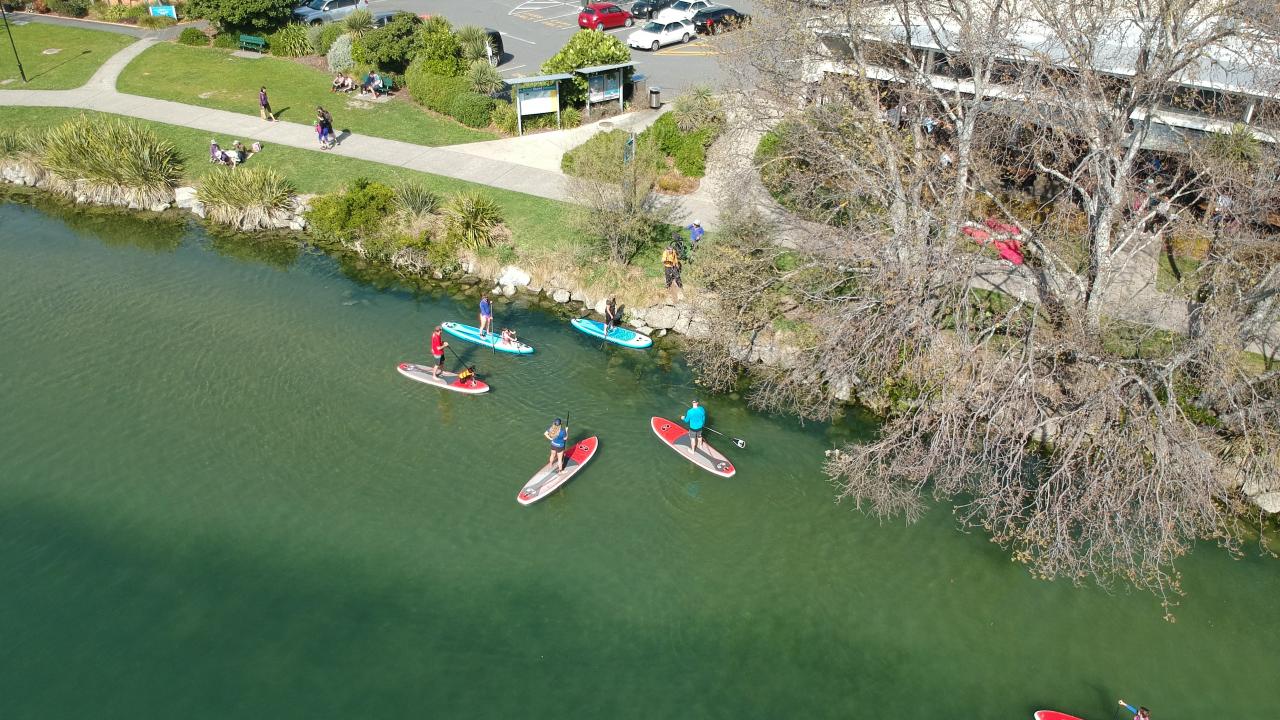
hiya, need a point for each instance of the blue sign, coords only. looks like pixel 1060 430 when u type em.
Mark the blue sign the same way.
pixel 164 11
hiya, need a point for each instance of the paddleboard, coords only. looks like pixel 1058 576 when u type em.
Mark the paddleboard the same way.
pixel 471 333
pixel 447 380
pixel 545 481
pixel 1054 715
pixel 617 336
pixel 677 438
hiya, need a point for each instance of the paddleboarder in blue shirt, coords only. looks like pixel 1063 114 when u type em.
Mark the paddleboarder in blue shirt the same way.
pixel 1139 713
pixel 695 417
pixel 486 315
pixel 558 434
pixel 610 316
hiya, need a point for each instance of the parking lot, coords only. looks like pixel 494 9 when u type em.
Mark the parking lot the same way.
pixel 534 30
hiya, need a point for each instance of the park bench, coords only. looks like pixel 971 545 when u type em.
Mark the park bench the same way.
pixel 388 85
pixel 253 42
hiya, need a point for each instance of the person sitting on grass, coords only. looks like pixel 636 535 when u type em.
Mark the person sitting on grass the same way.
pixel 339 81
pixel 238 152
pixel 218 155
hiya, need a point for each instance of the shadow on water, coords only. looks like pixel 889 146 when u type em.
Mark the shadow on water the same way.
pixel 279 251
pixel 156 232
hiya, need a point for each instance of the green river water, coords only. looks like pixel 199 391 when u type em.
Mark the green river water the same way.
pixel 219 500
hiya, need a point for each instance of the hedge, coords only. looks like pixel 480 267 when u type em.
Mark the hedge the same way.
pixel 472 109
pixel 434 91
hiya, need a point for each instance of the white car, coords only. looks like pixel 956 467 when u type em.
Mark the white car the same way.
pixel 655 34
pixel 682 10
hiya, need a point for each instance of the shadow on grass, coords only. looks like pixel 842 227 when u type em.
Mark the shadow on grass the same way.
pixel 70 59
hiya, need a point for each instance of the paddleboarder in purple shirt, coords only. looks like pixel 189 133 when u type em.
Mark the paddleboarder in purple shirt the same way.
pixel 486 315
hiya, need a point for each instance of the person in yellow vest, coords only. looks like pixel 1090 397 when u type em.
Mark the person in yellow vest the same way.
pixel 671 267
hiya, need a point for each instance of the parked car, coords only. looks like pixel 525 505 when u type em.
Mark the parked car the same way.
pixel 648 8
pixel 682 10
pixel 604 16
pixel 718 19
pixel 315 12
pixel 655 34
pixel 381 19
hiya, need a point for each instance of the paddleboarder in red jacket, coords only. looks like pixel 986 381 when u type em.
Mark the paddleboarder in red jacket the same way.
pixel 438 345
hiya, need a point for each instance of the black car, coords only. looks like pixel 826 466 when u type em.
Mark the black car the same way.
pixel 714 19
pixel 648 8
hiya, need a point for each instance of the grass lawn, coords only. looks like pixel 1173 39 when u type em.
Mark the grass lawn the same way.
pixel 1165 279
pixel 213 78
pixel 535 222
pixel 80 53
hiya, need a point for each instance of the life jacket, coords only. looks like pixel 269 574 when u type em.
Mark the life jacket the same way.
pixel 669 258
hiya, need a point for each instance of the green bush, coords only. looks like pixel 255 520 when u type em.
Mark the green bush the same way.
pixel 73 8
pixel 570 117
pixel 605 144
pixel 290 41
pixel 585 48
pixel 504 117
pixel 193 36
pixel 471 217
pixel 114 13
pixel 324 35
pixel 473 41
pixel 236 16
pixel 245 198
pixel 339 57
pixel 666 134
pixel 433 91
pixel 691 157
pixel 416 199
pixel 438 49
pixel 355 213
pixel 226 40
pixel 111 162
pixel 484 78
pixel 472 109
pixel 687 149
pixel 394 44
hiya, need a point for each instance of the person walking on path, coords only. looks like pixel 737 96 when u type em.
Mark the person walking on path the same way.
pixel 695 417
pixel 438 345
pixel 328 128
pixel 695 234
pixel 486 315
pixel 264 105
pixel 558 434
pixel 320 131
pixel 610 315
pixel 671 267
pixel 1139 713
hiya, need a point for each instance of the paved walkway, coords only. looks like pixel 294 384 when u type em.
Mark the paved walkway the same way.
pixel 119 28
pixel 529 165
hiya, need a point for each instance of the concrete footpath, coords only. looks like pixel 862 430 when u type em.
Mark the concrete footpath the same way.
pixel 527 165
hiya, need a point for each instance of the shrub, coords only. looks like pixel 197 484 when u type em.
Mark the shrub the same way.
pixel 358 22
pixel 74 8
pixel 605 144
pixel 570 117
pixel 504 117
pixel 193 36
pixel 666 134
pixel 113 13
pixel 433 91
pixel 484 78
pixel 691 157
pixel 585 48
pixel 355 213
pixel 473 42
pixel 696 109
pixel 472 109
pixel 416 199
pixel 394 44
pixel 112 162
pixel 155 23
pixel 324 35
pixel 471 217
pixel 226 40
pixel 438 49
pixel 339 56
pixel 234 16
pixel 290 41
pixel 245 198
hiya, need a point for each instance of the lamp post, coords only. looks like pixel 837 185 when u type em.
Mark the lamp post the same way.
pixel 4 14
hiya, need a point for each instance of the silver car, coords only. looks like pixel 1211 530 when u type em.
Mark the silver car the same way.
pixel 314 12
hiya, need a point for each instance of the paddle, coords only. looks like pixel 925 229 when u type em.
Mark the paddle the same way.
pixel 736 441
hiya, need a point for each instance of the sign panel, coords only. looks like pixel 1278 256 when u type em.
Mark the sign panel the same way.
pixel 538 100
pixel 604 86
pixel 164 11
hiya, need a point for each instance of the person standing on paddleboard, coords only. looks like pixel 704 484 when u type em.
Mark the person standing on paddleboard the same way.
pixel 486 315
pixel 1139 713
pixel 695 417
pixel 610 316
pixel 438 345
pixel 558 434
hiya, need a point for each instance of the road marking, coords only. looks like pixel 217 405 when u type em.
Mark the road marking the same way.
pixel 509 69
pixel 513 37
pixel 538 5
pixel 568 14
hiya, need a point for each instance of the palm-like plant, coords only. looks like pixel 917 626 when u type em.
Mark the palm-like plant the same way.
pixel 474 41
pixel 471 217
pixel 484 78
pixel 111 162
pixel 697 108
pixel 359 22
pixel 1239 148
pixel 245 198
pixel 416 199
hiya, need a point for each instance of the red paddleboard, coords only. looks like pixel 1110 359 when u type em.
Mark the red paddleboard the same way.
pixel 447 380
pixel 1054 715
pixel 545 481
pixel 677 438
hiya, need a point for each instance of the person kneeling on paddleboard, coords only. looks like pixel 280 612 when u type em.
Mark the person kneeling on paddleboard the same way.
pixel 558 434
pixel 438 345
pixel 508 336
pixel 467 376
pixel 695 417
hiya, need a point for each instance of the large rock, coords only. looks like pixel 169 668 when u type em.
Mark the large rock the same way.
pixel 661 316
pixel 185 198
pixel 578 295
pixel 1269 502
pixel 598 308
pixel 561 295
pixel 682 325
pixel 513 276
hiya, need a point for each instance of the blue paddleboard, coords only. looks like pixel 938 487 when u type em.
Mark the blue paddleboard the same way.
pixel 618 335
pixel 490 340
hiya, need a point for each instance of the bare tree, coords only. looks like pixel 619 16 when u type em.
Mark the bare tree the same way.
pixel 1094 425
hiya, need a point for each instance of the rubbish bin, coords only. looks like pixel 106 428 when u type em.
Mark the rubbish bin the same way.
pixel 655 98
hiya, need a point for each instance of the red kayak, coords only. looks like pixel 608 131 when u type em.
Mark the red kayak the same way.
pixel 1054 715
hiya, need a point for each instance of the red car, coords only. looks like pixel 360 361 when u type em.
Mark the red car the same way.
pixel 604 16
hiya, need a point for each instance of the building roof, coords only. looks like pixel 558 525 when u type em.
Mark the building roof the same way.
pixel 603 68
pixel 537 79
